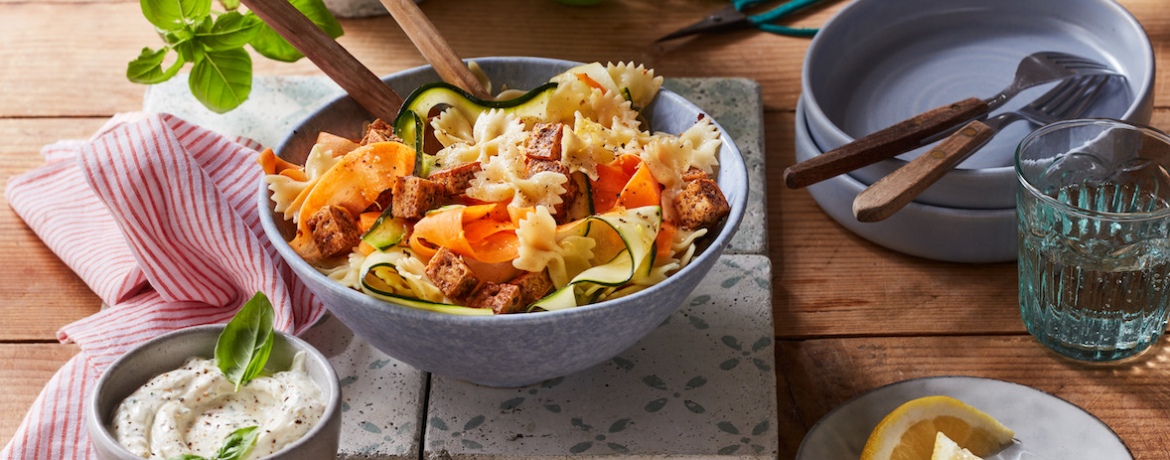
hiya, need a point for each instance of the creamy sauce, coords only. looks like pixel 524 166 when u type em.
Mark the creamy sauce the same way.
pixel 191 410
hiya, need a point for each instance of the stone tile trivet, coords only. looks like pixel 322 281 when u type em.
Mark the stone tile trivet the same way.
pixel 737 105
pixel 275 106
pixel 382 398
pixel 694 390
pixel 701 385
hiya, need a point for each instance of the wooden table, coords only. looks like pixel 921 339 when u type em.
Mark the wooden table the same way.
pixel 850 316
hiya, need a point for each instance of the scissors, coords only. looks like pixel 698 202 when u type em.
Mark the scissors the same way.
pixel 733 18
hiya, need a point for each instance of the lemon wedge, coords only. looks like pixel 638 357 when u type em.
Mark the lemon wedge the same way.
pixel 946 449
pixel 908 433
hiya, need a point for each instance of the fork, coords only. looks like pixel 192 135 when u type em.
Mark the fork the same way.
pixel 932 125
pixel 1069 99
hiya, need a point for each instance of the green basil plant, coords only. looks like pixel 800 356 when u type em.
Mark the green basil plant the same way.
pixel 213 41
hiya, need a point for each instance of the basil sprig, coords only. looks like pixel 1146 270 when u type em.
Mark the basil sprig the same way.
pixel 241 352
pixel 235 447
pixel 221 77
pixel 244 345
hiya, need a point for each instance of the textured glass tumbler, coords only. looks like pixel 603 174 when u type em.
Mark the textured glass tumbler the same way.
pixel 1093 214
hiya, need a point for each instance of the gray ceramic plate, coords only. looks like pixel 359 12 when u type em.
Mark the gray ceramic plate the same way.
pixel 1046 427
pixel 878 62
pixel 934 232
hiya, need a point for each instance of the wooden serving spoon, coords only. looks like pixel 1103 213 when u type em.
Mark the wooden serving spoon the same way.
pixel 434 48
pixel 356 79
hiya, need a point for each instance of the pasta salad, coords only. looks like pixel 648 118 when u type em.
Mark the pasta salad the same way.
pixel 556 198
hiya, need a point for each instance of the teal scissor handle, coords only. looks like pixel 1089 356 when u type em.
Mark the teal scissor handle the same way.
pixel 745 4
pixel 763 21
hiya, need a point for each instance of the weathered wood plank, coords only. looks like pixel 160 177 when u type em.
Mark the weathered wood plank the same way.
pixel 829 281
pixel 24 371
pixel 1131 399
pixel 56 73
pixel 40 293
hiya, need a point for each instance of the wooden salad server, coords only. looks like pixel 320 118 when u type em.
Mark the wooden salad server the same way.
pixel 433 46
pixel 1067 100
pixel 356 79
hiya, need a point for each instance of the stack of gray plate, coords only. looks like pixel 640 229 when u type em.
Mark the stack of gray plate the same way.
pixel 878 62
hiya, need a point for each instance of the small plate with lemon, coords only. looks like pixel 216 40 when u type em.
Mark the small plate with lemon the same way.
pixel 959 418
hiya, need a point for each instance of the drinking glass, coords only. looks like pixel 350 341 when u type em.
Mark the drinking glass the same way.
pixel 1093 216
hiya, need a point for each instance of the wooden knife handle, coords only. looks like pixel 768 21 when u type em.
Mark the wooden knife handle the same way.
pixel 357 80
pixel 887 143
pixel 895 191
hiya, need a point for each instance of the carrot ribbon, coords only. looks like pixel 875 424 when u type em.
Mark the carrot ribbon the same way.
pixel 353 183
pixel 485 233
pixel 625 182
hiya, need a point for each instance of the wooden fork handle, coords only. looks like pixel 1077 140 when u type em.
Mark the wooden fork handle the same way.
pixel 885 144
pixel 895 191
pixel 357 80
pixel 433 47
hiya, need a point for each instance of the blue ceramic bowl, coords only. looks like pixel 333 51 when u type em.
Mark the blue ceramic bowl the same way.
pixel 504 350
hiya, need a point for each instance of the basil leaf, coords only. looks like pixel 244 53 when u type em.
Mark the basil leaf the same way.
pixel 147 67
pixel 204 25
pixel 186 457
pixel 237 445
pixel 230 5
pixel 222 80
pixel 270 44
pixel 231 30
pixel 190 50
pixel 182 34
pixel 244 344
pixel 174 14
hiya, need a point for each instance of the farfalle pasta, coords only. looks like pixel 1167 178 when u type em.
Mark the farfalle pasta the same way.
pixel 554 199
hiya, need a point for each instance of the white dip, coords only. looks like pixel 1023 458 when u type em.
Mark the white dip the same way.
pixel 191 410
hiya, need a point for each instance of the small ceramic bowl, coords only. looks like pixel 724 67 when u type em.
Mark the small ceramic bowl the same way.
pixel 878 62
pixel 933 232
pixel 170 351
pixel 518 349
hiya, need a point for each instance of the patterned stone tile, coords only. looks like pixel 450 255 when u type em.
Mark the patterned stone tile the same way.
pixel 275 106
pixel 737 105
pixel 382 398
pixel 701 385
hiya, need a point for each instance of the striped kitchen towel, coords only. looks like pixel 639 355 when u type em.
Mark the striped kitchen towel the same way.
pixel 173 239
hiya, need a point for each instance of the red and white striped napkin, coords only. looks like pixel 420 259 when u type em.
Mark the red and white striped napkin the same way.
pixel 159 217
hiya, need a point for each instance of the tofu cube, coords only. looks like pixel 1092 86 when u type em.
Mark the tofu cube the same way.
pixel 334 231
pixel 533 286
pixel 500 298
pixel 544 142
pixel 413 197
pixel 701 204
pixel 451 275
pixel 455 180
